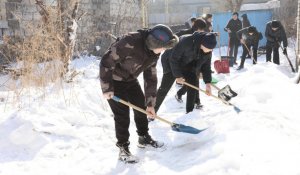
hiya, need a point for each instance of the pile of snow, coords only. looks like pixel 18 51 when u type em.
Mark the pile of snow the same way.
pixel 71 131
pixel 261 6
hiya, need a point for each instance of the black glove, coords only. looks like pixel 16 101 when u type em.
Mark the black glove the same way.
pixel 284 51
pixel 276 40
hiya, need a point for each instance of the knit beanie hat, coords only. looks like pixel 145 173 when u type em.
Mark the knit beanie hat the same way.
pixel 161 36
pixel 209 40
pixel 275 24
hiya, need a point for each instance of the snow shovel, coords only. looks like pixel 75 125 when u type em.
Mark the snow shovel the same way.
pixel 226 93
pixel 174 126
pixel 238 110
pixel 251 55
pixel 287 57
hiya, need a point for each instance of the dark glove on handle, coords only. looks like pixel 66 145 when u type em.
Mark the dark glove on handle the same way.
pixel 284 51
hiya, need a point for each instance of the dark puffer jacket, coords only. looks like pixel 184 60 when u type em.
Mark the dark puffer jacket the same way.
pixel 278 35
pixel 250 39
pixel 126 59
pixel 234 26
pixel 187 56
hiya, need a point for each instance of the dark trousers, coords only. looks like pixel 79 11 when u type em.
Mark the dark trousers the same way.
pixel 245 52
pixel 269 49
pixel 233 47
pixel 184 89
pixel 166 84
pixel 132 92
pixel 191 78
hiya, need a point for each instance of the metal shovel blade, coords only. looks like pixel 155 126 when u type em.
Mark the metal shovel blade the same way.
pixel 226 93
pixel 186 129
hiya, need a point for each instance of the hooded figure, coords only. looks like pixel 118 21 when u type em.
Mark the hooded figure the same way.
pixel 245 21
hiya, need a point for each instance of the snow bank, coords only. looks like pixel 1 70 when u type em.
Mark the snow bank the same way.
pixel 72 130
pixel 261 6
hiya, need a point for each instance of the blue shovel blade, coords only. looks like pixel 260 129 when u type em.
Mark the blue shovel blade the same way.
pixel 186 129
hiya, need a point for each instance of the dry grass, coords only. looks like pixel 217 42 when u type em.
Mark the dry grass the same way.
pixel 41 58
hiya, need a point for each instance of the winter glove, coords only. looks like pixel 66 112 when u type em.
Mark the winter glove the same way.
pixel 284 51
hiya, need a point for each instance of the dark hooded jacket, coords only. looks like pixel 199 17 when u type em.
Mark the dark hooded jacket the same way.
pixel 187 56
pixel 245 21
pixel 275 36
pixel 126 59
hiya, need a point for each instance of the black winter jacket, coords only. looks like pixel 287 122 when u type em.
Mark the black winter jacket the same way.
pixel 250 39
pixel 187 56
pixel 234 26
pixel 278 35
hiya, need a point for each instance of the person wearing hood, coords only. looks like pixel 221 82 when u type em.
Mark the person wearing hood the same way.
pixel 250 37
pixel 232 27
pixel 120 66
pixel 275 34
pixel 245 21
pixel 168 79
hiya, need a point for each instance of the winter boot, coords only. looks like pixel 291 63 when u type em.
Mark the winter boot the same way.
pixel 240 67
pixel 178 98
pixel 146 140
pixel 198 106
pixel 125 155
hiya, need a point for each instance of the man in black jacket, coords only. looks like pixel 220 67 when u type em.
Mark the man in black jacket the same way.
pixel 250 37
pixel 191 56
pixel 168 78
pixel 275 34
pixel 232 27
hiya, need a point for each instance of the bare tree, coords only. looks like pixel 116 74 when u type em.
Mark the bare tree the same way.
pixel 228 5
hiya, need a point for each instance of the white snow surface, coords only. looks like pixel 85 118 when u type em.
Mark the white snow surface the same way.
pixel 261 6
pixel 71 131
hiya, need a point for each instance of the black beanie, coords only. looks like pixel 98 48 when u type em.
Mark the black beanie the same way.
pixel 199 24
pixel 235 13
pixel 251 29
pixel 275 24
pixel 209 40
pixel 161 36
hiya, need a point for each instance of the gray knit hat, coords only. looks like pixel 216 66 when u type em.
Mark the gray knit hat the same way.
pixel 161 36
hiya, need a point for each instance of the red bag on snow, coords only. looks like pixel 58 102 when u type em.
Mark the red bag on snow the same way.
pixel 222 66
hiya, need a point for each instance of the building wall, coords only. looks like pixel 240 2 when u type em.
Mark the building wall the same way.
pixel 102 17
pixel 180 10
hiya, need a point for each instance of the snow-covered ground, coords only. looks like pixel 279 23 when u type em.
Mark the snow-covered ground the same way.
pixel 71 131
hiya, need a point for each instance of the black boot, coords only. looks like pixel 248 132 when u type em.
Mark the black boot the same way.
pixel 178 98
pixel 125 155
pixel 146 140
pixel 240 67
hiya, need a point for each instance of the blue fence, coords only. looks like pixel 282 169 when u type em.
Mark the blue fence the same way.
pixel 257 18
